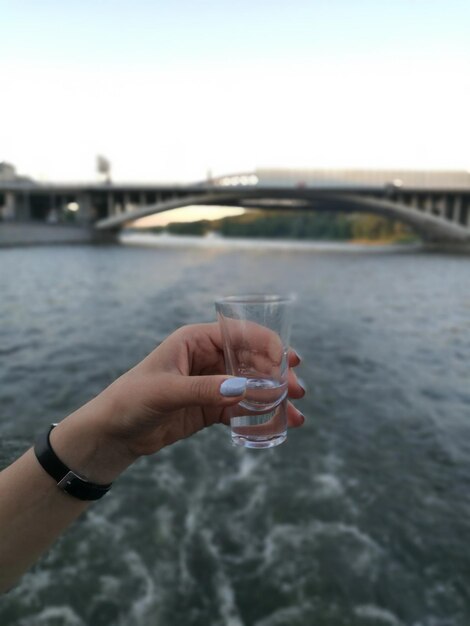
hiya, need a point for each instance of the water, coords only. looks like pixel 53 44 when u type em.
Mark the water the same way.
pixel 263 394
pixel 361 518
pixel 264 422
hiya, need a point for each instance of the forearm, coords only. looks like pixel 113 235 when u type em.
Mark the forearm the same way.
pixel 34 511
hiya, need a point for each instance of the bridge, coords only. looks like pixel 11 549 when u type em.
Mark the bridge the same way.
pixel 435 204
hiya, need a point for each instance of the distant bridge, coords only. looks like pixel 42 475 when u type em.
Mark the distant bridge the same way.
pixel 435 204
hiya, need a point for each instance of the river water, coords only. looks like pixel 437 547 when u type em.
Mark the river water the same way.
pixel 362 518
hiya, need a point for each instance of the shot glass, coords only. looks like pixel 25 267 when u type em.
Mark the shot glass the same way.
pixel 255 332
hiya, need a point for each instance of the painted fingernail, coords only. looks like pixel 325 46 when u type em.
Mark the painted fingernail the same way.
pixel 298 356
pixel 302 418
pixel 233 386
pixel 302 384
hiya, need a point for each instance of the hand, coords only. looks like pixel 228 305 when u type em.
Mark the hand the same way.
pixel 175 391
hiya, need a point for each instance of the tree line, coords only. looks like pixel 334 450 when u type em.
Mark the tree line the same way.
pixel 297 225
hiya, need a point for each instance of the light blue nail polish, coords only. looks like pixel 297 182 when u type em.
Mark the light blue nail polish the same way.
pixel 302 384
pixel 233 386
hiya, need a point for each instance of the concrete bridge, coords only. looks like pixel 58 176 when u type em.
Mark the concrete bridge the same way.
pixel 435 204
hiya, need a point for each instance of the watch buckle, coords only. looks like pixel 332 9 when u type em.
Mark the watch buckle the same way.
pixel 67 480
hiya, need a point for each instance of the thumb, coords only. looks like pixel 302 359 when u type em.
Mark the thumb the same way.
pixel 183 391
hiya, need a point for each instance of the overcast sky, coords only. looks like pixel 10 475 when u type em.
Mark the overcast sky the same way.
pixel 170 90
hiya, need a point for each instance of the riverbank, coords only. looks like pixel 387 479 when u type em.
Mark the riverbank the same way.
pixel 38 234
pixel 14 234
pixel 165 240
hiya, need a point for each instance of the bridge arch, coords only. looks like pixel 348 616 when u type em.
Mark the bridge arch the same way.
pixel 427 225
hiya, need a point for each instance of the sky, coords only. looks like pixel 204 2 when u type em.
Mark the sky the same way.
pixel 175 91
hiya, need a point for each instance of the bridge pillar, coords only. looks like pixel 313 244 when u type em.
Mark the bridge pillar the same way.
pixel 457 209
pixel 428 204
pixel 9 208
pixel 23 206
pixel 126 203
pixel 85 209
pixel 17 206
pixel 109 236
pixel 441 206
pixel 110 204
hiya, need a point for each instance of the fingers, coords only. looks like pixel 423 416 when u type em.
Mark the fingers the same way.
pixel 295 389
pixel 293 358
pixel 250 347
pixel 294 417
pixel 178 392
pixel 209 336
pixel 253 344
pixel 205 344
pixel 248 335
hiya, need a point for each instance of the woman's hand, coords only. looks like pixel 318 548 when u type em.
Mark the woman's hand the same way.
pixel 172 394
pixel 175 391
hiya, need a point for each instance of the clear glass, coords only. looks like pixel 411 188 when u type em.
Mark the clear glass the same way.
pixel 255 333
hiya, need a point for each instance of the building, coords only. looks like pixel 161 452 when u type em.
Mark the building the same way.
pixel 7 171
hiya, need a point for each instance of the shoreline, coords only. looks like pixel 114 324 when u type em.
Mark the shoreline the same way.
pixel 236 243
pixel 18 234
pixel 30 234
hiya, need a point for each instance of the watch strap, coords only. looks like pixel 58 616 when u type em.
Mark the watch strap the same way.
pixel 67 480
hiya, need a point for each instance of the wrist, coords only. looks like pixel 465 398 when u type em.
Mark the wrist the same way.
pixel 82 441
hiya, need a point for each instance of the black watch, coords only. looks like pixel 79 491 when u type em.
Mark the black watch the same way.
pixel 70 482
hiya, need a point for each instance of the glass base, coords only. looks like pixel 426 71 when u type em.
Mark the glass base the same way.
pixel 258 442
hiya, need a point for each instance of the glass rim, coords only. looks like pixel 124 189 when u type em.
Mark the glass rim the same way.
pixel 256 298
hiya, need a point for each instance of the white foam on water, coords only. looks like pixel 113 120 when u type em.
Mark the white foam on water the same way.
pixel 67 616
pixel 256 498
pixel 191 525
pixel 295 537
pixel 280 533
pixel 250 469
pixel 164 518
pixel 283 616
pixel 340 528
pixel 145 603
pixel 328 486
pixel 333 462
pixel 224 590
pixel 166 476
pixel 369 550
pixel 102 524
pixel 31 584
pixel 374 613
pixel 248 464
pixel 109 585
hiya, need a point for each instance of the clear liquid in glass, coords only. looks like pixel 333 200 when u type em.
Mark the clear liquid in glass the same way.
pixel 262 421
pixel 263 394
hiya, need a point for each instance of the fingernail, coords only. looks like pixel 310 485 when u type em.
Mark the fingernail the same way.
pixel 298 355
pixel 302 418
pixel 233 386
pixel 302 384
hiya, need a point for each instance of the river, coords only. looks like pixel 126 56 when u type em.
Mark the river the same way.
pixel 362 518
